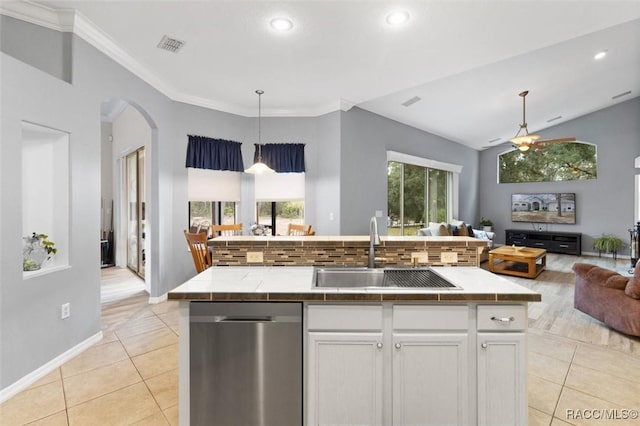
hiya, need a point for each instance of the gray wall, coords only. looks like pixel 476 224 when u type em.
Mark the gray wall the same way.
pixel 604 205
pixel 49 51
pixel 366 137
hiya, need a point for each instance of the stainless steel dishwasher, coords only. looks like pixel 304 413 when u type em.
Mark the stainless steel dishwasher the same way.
pixel 245 363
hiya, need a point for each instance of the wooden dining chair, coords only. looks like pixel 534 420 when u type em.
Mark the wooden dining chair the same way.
pixel 197 243
pixel 294 229
pixel 227 230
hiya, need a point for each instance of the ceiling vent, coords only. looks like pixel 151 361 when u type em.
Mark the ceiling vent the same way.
pixel 411 101
pixel 554 119
pixel 494 140
pixel 628 92
pixel 171 44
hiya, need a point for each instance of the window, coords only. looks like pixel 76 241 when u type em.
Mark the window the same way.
pixel 203 214
pixel 212 198
pixel 419 191
pixel 280 213
pixel 280 200
pixel 555 162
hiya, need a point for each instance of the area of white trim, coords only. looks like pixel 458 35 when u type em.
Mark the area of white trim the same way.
pixel 47 368
pixel 159 299
pixel 637 162
pixel 38 14
pixel 423 162
pixel 26 275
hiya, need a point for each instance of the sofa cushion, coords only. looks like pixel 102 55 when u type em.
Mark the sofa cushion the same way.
pixel 600 275
pixel 616 281
pixel 633 287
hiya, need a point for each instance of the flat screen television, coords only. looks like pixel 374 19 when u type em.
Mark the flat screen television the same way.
pixel 544 208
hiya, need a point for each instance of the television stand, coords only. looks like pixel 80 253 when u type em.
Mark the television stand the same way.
pixel 552 242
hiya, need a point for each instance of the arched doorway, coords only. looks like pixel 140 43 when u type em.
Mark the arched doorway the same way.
pixel 127 134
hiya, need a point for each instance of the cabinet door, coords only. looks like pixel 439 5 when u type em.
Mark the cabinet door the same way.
pixel 344 378
pixel 430 379
pixel 502 371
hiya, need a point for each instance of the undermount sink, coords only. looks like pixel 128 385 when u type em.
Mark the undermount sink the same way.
pixel 356 277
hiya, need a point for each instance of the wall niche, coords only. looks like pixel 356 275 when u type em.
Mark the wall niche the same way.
pixel 45 191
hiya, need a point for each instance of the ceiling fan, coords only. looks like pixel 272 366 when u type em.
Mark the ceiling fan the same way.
pixel 526 141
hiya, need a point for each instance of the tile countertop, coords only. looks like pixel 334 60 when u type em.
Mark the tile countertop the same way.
pixel 294 283
pixel 336 238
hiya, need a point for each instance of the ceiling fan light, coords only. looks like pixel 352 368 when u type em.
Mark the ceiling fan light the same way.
pixel 524 147
pixel 525 139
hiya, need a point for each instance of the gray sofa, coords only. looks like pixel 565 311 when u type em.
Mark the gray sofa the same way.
pixel 457 230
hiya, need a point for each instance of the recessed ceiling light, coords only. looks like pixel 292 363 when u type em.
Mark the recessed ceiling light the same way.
pixel 281 24
pixel 397 18
pixel 600 55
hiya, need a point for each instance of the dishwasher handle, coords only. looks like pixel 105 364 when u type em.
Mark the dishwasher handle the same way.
pixel 245 318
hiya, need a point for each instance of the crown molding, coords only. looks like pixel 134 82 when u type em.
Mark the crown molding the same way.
pixel 69 20
pixel 38 14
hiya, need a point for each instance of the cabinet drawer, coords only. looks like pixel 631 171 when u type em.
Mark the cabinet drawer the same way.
pixel 502 317
pixel 431 317
pixel 347 317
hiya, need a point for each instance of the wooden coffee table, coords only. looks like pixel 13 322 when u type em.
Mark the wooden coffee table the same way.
pixel 519 262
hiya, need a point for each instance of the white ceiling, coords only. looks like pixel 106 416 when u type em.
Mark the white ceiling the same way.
pixel 467 60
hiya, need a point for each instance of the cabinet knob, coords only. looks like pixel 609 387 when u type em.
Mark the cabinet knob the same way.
pixel 483 346
pixel 398 345
pixel 379 345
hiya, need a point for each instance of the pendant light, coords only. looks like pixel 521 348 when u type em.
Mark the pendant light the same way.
pixel 259 167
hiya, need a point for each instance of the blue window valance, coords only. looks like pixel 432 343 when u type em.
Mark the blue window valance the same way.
pixel 214 154
pixel 282 157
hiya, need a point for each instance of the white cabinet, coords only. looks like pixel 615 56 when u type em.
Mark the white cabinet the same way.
pixel 502 367
pixel 344 378
pixel 407 364
pixel 344 365
pixel 399 364
pixel 430 379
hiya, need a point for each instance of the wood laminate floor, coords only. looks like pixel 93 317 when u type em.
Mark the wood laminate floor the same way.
pixel 130 378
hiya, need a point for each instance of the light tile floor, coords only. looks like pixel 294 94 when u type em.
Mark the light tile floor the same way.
pixel 130 377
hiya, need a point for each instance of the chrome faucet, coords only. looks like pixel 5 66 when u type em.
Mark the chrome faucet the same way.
pixel 374 240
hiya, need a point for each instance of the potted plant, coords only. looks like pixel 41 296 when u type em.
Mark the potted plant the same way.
pixel 36 250
pixel 486 224
pixel 607 244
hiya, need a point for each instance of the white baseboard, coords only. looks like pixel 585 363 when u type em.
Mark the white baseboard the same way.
pixel 47 368
pixel 156 300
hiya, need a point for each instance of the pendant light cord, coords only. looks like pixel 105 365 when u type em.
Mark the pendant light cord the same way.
pixel 259 92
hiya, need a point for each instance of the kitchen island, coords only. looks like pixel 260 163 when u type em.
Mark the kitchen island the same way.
pixel 385 356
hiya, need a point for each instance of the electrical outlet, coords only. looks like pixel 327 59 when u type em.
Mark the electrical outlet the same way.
pixel 254 257
pixel 65 310
pixel 422 256
pixel 449 257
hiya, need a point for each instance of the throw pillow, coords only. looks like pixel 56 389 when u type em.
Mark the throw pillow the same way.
pixel 443 230
pixel 633 288
pixel 463 231
pixel 453 229
pixel 439 229
pixel 457 223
